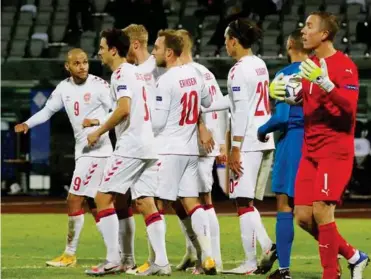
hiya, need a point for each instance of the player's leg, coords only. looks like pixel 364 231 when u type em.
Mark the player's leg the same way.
pixel 124 213
pixel 188 193
pixel 191 255
pixel 143 192
pixel 329 187
pixel 119 175
pixel 206 173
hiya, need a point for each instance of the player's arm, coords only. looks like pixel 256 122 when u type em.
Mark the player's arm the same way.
pixel 206 98
pixel 222 103
pixel 160 113
pixel 278 120
pixel 53 105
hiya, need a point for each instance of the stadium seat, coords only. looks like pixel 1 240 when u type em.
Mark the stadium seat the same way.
pixel 22 32
pixel 61 17
pixel 311 8
pixel 4 46
pixel 288 27
pixel 353 10
pixel 43 18
pixel 334 9
pixel 41 29
pixel 358 49
pixel 58 32
pixel 25 18
pixel 63 5
pixel 5 32
pixel 18 48
pixel 36 48
pixel 7 18
pixel 46 6
pixel 172 21
pixel 100 5
pixel 88 45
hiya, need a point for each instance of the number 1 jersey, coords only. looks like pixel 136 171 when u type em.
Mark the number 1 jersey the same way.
pixel 180 91
pixel 248 80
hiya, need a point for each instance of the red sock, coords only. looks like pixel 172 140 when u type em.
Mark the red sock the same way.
pixel 345 249
pixel 328 250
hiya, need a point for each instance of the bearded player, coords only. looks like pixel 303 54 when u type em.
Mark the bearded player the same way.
pixel 330 94
pixel 83 96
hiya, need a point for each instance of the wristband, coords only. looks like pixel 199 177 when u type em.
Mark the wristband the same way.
pixel 236 144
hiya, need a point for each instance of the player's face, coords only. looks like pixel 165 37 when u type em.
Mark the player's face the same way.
pixel 159 52
pixel 104 53
pixel 313 33
pixel 78 66
pixel 229 45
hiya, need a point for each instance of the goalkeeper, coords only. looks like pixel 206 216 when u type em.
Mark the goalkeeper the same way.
pixel 289 121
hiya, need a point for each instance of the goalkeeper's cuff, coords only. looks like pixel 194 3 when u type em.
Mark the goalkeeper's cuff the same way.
pixel 326 84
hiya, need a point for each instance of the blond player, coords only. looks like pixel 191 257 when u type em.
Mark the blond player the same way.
pixel 179 95
pixel 216 123
pixel 83 96
pixel 132 163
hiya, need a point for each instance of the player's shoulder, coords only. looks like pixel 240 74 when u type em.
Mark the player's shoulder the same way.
pixel 205 72
pixel 97 81
pixel 343 60
pixel 290 69
pixel 63 85
pixel 125 69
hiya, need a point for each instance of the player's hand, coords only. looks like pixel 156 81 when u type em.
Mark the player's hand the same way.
pixel 234 162
pixel 21 128
pixel 262 137
pixel 318 75
pixel 90 122
pixel 93 138
pixel 222 158
pixel 206 138
pixel 277 88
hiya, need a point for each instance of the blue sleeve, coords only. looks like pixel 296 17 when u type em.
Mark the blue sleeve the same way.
pixel 278 120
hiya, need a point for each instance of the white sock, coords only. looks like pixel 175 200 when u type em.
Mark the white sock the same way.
pixel 126 238
pixel 214 235
pixel 261 233
pixel 354 258
pixel 75 224
pixel 190 237
pixel 151 253
pixel 200 225
pixel 109 226
pixel 156 235
pixel 248 236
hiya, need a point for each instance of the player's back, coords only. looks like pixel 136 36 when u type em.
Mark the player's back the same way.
pixel 248 80
pixel 184 87
pixel 135 136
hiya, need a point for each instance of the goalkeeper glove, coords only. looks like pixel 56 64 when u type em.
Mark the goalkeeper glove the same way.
pixel 277 88
pixel 318 75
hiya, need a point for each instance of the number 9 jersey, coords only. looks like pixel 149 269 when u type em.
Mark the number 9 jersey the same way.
pixel 248 81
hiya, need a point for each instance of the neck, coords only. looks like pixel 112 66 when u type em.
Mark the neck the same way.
pixel 173 63
pixel 298 57
pixel 186 58
pixel 325 49
pixel 116 63
pixel 78 81
pixel 243 52
pixel 142 56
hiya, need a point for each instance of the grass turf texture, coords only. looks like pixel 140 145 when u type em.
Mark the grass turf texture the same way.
pixel 30 240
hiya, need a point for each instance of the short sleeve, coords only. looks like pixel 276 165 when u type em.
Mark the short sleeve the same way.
pixel 105 96
pixel 55 102
pixel 163 95
pixel 122 89
pixel 238 86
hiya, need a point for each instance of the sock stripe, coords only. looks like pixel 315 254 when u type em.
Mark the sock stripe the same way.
pixel 194 209
pixel 161 212
pixel 153 218
pixel 243 210
pixel 208 206
pixel 97 219
pixel 106 213
pixel 124 213
pixel 77 213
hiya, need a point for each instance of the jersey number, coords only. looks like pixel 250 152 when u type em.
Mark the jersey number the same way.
pixel 76 108
pixel 146 110
pixel 76 183
pixel 263 91
pixel 212 92
pixel 189 102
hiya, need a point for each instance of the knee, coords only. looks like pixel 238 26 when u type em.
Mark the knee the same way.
pixel 303 219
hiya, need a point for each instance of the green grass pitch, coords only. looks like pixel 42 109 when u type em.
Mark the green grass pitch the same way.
pixel 29 240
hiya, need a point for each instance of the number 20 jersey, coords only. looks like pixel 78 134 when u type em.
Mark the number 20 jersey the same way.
pixel 180 91
pixel 248 80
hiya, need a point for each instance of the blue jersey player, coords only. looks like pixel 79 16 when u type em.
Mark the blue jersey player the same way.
pixel 289 121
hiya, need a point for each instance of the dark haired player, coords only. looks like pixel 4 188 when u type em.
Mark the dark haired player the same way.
pixel 133 163
pixel 289 121
pixel 330 95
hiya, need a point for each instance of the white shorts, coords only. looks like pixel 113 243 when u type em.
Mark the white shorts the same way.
pixel 122 173
pixel 256 167
pixel 205 168
pixel 87 176
pixel 178 176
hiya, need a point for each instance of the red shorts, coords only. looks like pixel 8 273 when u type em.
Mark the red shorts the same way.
pixel 321 179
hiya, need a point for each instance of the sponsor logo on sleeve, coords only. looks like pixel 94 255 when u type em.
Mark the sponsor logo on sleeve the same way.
pixel 159 98
pixel 351 87
pixel 121 87
pixel 236 88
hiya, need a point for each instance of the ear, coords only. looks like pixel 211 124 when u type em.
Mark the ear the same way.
pixel 66 67
pixel 135 44
pixel 324 35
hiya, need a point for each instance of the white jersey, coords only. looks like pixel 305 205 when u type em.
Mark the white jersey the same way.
pixel 180 91
pixel 134 135
pixel 89 100
pixel 248 80
pixel 212 119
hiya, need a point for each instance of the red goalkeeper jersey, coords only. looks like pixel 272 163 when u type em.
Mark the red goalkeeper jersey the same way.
pixel 329 118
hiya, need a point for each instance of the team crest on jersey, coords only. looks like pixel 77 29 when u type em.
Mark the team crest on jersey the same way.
pixel 87 97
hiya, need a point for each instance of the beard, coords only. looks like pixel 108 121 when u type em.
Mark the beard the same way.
pixel 289 58
pixel 161 63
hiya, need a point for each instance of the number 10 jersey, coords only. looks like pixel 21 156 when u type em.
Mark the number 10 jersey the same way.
pixel 248 80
